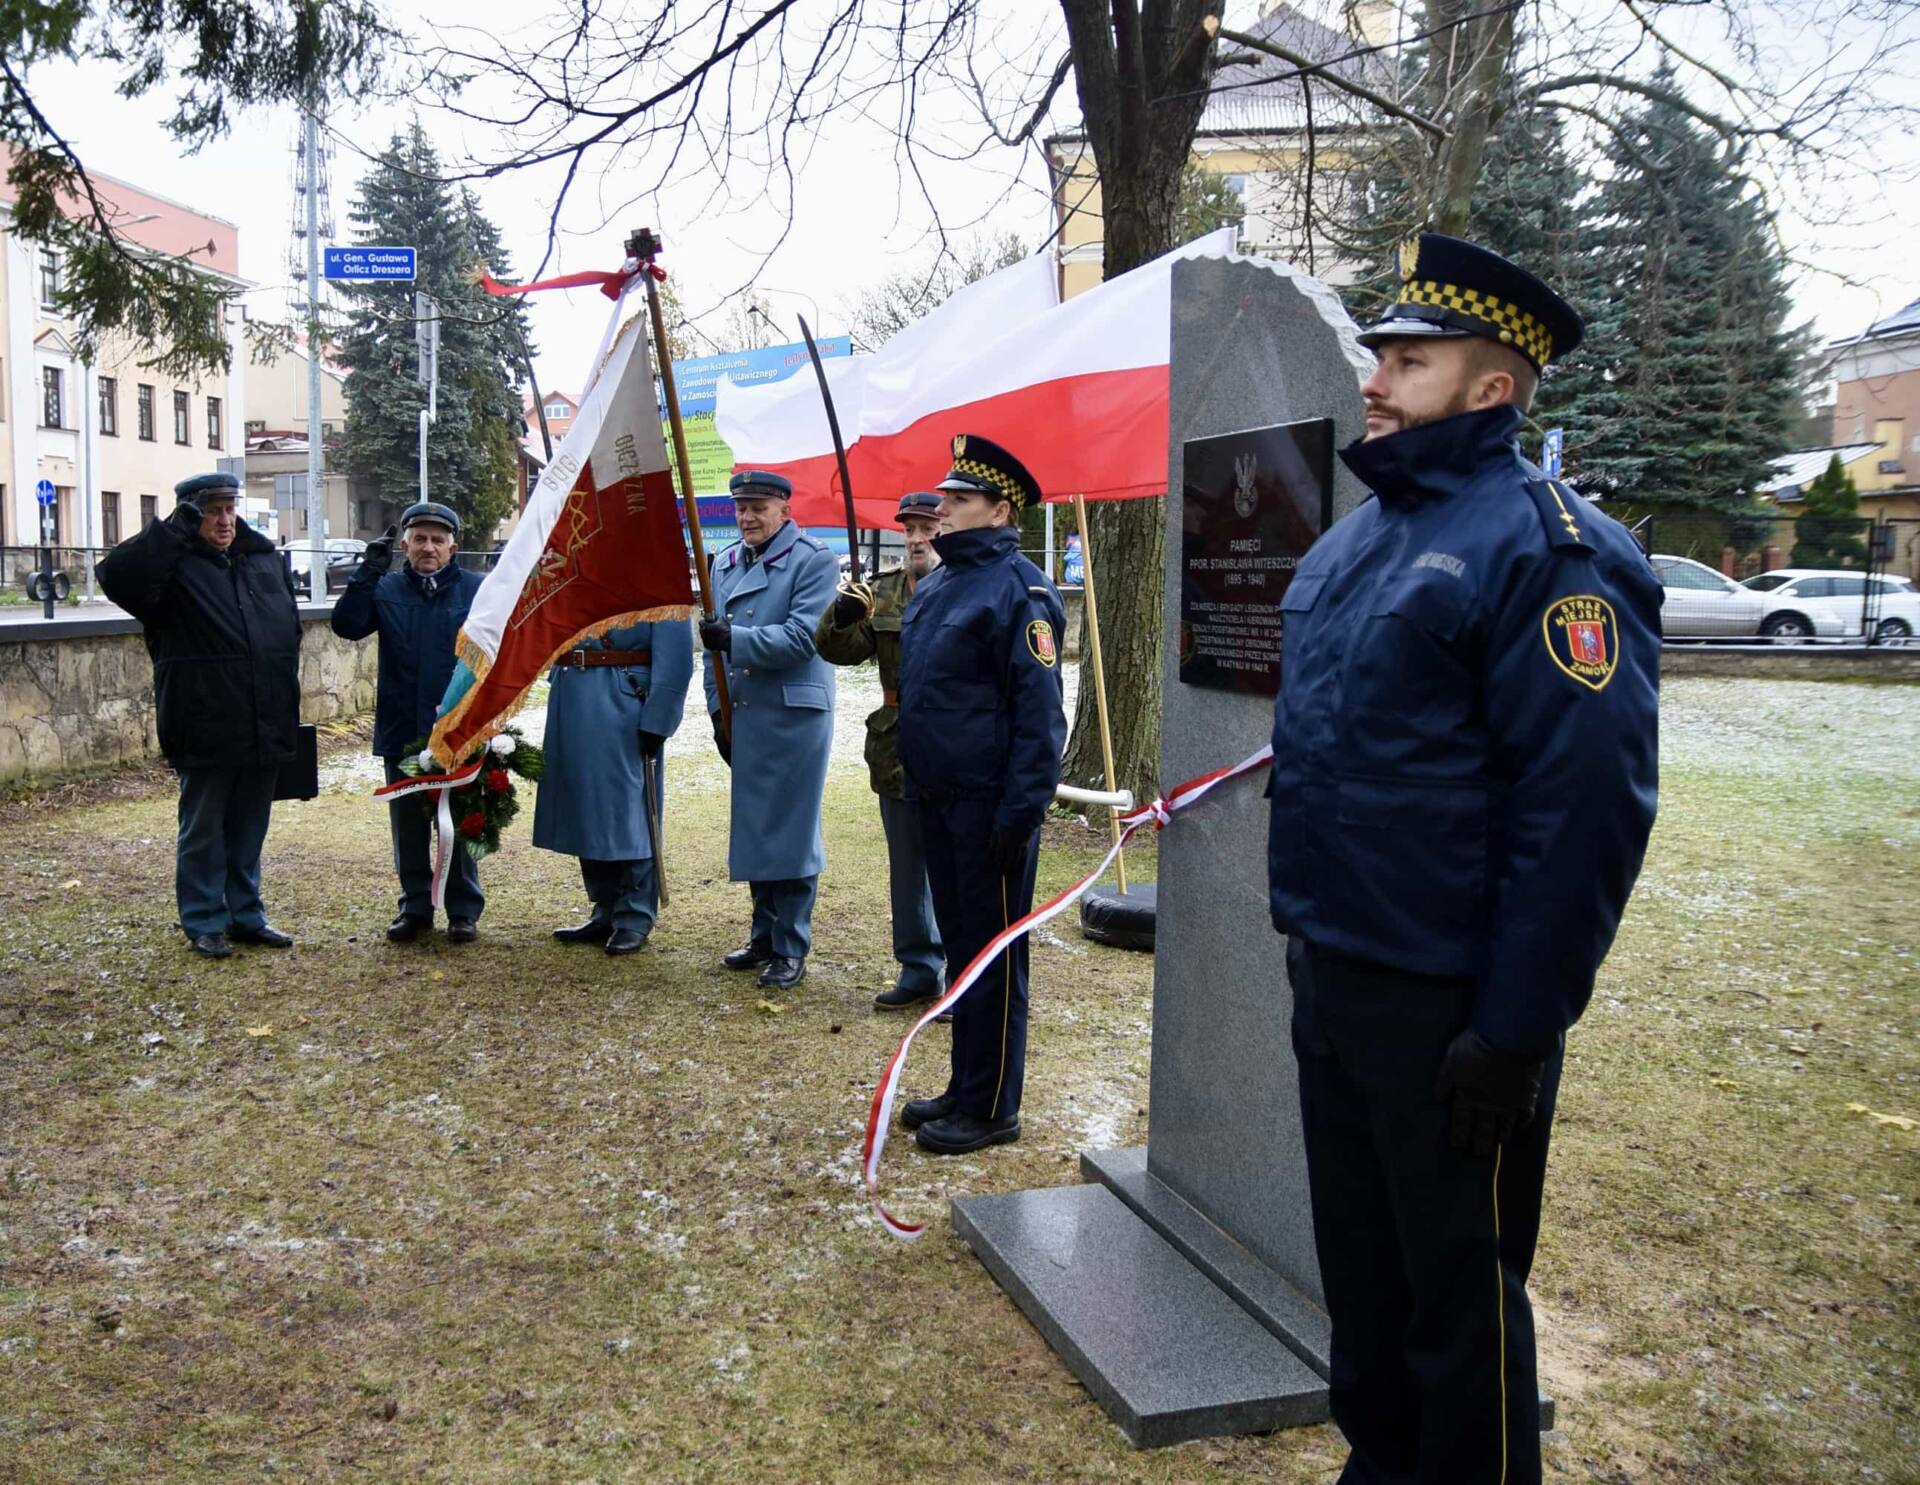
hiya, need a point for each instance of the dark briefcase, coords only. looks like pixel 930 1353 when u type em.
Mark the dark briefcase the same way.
pixel 300 775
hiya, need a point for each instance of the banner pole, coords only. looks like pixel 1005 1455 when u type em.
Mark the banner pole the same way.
pixel 644 247
pixel 1099 676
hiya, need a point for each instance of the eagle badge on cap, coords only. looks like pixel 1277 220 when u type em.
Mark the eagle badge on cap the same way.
pixel 959 445
pixel 1409 256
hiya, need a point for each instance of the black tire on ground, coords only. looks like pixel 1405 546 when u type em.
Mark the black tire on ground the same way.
pixel 1126 922
pixel 1893 629
pixel 1790 627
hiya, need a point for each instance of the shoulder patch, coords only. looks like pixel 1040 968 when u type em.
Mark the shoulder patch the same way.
pixel 1562 509
pixel 1582 638
pixel 1040 643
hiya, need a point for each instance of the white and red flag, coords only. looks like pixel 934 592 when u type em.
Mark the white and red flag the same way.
pixel 1076 389
pixel 597 547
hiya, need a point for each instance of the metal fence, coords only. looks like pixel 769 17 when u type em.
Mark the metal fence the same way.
pixel 1761 579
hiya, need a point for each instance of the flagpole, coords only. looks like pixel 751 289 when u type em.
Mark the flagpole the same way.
pixel 644 247
pixel 1099 677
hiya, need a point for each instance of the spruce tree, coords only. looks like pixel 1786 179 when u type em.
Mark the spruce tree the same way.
pixel 471 449
pixel 1830 529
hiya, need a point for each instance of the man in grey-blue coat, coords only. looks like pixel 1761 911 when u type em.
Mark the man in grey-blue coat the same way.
pixel 769 590
pixel 612 703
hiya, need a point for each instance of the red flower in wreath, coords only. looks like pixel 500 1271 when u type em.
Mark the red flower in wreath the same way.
pixel 497 781
pixel 473 826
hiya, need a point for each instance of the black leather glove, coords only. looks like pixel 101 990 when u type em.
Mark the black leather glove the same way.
pixel 652 743
pixel 723 740
pixel 185 518
pixel 1492 1094
pixel 1007 851
pixel 717 634
pixel 378 557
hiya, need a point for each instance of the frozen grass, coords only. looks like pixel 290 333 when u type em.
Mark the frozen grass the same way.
pixel 518 1212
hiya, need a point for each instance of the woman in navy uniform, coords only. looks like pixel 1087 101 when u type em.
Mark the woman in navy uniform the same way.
pixel 612 703
pixel 1464 778
pixel 982 726
pixel 769 590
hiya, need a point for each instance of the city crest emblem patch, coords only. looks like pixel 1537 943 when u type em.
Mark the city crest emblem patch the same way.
pixel 1040 642
pixel 1583 639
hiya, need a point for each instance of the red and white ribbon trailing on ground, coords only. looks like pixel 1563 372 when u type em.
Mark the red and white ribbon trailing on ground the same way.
pixel 446 842
pixel 880 1115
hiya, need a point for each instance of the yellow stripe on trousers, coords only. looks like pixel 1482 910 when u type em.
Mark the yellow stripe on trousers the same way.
pixel 1006 1002
pixel 1500 1305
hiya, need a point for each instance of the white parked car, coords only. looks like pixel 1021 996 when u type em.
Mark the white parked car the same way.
pixel 1698 603
pixel 1809 603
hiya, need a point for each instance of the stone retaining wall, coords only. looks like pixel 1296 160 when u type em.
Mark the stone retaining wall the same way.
pixel 76 693
pixel 1795 662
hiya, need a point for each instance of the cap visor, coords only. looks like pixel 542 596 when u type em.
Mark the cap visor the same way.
pixel 1374 334
pixel 957 482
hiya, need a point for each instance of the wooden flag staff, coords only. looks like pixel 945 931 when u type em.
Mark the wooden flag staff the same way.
pixel 643 247
pixel 1099 675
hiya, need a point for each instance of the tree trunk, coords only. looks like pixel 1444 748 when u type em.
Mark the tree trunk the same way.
pixel 1469 89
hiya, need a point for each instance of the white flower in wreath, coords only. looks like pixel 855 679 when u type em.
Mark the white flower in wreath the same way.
pixel 502 744
pixel 426 761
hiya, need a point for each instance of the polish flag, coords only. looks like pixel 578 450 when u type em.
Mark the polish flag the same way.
pixel 1077 391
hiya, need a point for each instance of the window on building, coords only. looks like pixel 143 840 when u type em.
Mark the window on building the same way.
pixel 109 407
pixel 143 408
pixel 558 410
pixel 213 423
pixel 49 278
pixel 109 518
pixel 53 388
pixel 149 510
pixel 182 415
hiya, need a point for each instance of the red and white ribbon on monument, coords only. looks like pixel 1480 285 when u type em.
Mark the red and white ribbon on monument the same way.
pixel 445 841
pixel 880 1115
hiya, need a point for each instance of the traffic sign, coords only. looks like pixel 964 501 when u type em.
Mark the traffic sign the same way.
pixel 369 265
pixel 44 492
pixel 1550 454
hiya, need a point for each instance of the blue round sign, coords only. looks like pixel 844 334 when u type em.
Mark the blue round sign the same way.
pixel 44 490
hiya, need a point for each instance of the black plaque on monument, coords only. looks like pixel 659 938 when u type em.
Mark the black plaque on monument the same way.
pixel 1253 503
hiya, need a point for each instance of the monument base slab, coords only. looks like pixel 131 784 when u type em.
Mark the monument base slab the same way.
pixel 1161 1348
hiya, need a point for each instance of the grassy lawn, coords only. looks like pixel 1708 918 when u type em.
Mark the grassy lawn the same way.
pixel 516 1212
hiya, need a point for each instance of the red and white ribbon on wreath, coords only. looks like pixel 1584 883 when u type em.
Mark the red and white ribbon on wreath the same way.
pixel 880 1115
pixel 446 842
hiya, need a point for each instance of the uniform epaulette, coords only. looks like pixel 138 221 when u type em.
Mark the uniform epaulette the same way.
pixel 1561 510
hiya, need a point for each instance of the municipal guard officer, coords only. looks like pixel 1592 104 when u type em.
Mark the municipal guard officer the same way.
pixel 216 605
pixel 861 624
pixel 1465 750
pixel 612 703
pixel 769 590
pixel 982 725
pixel 417 612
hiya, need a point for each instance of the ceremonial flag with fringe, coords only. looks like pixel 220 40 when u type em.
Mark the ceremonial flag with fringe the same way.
pixel 598 547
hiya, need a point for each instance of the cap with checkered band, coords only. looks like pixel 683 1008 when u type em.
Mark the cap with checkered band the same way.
pixel 1454 288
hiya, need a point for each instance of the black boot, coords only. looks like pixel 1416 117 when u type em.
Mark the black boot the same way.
pixel 753 956
pixel 210 945
pixel 595 930
pixel 957 1134
pixel 921 1110
pixel 266 936
pixel 406 928
pixel 462 930
pixel 626 941
pixel 782 973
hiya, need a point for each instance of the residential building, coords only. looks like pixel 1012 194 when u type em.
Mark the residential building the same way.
pixel 115 436
pixel 1876 400
pixel 277 453
pixel 560 409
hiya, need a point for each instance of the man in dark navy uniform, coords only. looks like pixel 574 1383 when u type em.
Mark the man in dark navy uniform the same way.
pixel 1465 760
pixel 982 727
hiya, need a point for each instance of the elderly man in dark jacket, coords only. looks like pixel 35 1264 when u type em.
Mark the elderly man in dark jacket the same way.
pixel 218 611
pixel 417 612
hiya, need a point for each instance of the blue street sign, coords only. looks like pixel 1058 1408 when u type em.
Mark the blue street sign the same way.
pixel 44 492
pixel 1550 454
pixel 368 265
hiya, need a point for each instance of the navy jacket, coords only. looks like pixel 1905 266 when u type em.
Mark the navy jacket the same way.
pixel 416 646
pixel 981 710
pixel 1466 739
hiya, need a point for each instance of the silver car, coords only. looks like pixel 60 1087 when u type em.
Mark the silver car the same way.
pixel 1698 603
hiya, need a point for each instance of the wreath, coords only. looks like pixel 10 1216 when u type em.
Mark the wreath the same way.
pixel 483 807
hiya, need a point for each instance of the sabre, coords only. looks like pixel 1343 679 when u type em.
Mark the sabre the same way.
pixel 839 452
pixel 650 786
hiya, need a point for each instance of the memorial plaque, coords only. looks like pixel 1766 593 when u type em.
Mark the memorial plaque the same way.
pixel 1254 502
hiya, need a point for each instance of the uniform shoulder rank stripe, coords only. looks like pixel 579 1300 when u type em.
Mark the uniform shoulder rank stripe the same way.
pixel 1561 508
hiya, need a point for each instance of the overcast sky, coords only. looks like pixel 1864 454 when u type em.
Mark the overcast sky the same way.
pixel 855 218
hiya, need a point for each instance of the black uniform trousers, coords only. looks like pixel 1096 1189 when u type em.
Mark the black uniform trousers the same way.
pixel 411 822
pixel 971 903
pixel 1424 1251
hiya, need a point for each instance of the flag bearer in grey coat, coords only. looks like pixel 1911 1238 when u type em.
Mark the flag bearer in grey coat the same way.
pixel 612 703
pixel 769 590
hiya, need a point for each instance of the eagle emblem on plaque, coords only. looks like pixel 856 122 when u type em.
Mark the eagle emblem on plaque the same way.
pixel 1245 498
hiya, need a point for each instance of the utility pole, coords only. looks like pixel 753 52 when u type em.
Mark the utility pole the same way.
pixel 316 433
pixel 426 339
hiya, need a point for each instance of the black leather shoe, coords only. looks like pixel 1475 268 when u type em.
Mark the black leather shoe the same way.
pixel 210 945
pixel 266 935
pixel 900 999
pixel 462 930
pixel 626 941
pixel 405 928
pixel 959 1133
pixel 922 1110
pixel 782 973
pixel 593 931
pixel 753 956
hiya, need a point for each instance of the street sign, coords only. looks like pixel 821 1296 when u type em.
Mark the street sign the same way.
pixel 1550 454
pixel 44 492
pixel 369 265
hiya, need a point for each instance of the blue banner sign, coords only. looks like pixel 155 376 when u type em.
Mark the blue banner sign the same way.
pixel 369 265
pixel 698 380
